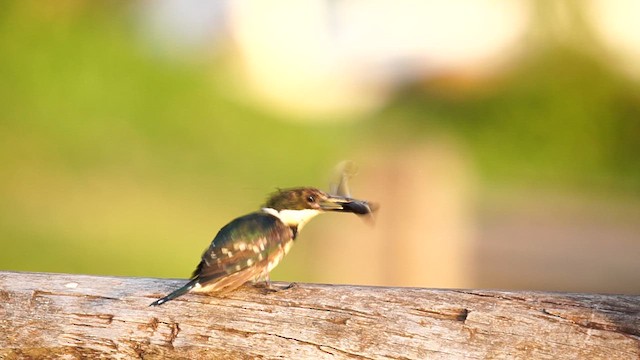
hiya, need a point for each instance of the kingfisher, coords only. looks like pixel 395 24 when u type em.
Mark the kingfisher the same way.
pixel 249 247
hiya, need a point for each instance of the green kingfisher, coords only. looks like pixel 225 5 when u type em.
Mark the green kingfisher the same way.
pixel 249 247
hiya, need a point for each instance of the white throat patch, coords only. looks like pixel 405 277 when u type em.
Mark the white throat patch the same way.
pixel 293 217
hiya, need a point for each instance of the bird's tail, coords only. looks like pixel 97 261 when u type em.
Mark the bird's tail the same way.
pixel 183 290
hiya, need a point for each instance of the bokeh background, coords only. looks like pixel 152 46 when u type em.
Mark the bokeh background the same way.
pixel 501 137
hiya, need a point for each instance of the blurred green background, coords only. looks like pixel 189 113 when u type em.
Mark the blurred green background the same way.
pixel 130 132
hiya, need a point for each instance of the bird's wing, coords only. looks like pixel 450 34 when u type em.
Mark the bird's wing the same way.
pixel 342 173
pixel 241 251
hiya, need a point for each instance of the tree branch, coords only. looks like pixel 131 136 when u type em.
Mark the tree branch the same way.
pixel 51 315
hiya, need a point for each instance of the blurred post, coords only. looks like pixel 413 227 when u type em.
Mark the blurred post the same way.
pixel 423 232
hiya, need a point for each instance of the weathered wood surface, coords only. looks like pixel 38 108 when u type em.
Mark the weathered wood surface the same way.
pixel 79 316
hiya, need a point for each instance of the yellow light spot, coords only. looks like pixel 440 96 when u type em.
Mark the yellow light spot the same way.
pixel 249 262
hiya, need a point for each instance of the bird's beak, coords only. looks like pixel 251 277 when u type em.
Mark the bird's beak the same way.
pixel 344 204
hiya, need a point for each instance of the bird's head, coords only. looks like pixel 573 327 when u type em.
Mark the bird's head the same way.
pixel 298 205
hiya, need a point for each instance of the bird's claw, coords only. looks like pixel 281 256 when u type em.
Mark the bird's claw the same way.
pixel 268 288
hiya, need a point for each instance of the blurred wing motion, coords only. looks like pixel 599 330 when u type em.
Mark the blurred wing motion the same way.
pixel 245 249
pixel 343 172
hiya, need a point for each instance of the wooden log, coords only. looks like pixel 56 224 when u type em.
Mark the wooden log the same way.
pixel 80 316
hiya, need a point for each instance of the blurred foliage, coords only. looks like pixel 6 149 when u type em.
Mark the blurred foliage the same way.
pixel 106 145
pixel 96 132
pixel 561 119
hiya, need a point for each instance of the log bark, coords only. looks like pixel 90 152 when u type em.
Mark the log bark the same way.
pixel 80 316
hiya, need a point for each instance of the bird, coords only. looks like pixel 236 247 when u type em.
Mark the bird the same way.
pixel 250 246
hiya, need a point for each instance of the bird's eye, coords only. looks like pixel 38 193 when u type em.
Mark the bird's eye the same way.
pixel 311 199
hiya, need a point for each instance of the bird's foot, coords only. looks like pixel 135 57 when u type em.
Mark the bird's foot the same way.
pixel 268 288
pixel 291 285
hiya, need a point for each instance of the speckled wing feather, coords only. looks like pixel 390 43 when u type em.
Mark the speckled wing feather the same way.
pixel 241 251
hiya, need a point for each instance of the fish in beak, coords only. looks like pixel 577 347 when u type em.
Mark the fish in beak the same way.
pixel 345 204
